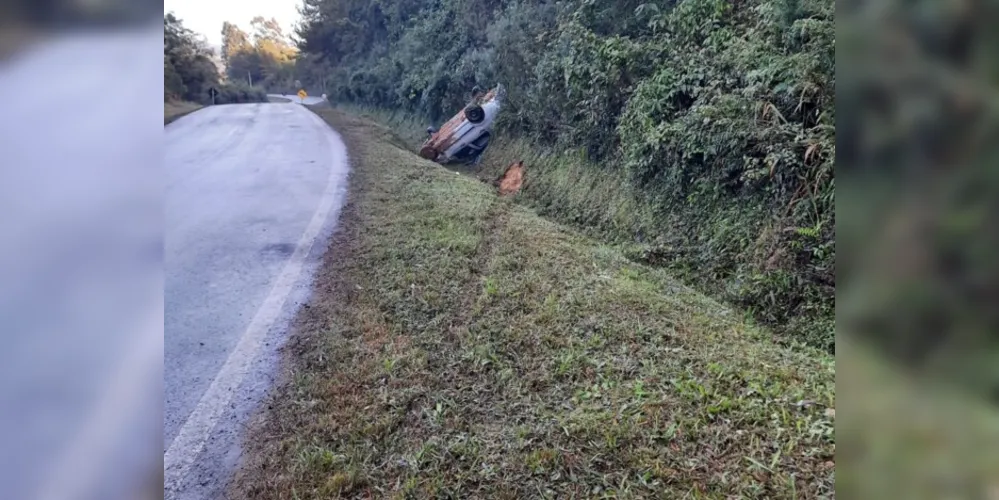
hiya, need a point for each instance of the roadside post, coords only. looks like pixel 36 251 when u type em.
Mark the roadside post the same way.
pixel 212 92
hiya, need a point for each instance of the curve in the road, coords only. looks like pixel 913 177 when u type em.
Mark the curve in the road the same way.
pixel 309 100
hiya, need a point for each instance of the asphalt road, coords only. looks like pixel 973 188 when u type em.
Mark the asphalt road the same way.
pixel 252 192
pixel 309 100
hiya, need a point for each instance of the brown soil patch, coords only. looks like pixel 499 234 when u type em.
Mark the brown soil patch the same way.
pixel 512 179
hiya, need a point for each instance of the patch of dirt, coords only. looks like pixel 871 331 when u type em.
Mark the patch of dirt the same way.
pixel 511 180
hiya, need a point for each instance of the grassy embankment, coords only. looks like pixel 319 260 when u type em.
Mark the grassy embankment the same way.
pixel 172 110
pixel 458 345
pixel 699 244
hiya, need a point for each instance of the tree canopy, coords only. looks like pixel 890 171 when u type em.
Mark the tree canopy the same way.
pixel 267 57
pixel 188 63
pixel 190 70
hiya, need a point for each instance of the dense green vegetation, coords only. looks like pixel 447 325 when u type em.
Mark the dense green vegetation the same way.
pixel 190 70
pixel 699 133
pixel 266 57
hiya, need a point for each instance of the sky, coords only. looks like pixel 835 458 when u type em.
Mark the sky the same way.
pixel 206 16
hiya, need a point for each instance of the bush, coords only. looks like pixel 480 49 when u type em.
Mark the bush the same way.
pixel 238 92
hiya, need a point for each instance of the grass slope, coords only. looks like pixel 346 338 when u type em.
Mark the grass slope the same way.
pixel 459 346
pixel 172 110
pixel 567 188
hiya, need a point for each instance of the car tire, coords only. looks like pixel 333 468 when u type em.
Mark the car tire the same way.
pixel 475 114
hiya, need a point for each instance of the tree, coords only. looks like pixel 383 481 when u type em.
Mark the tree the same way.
pixel 188 66
pixel 275 53
pixel 267 57
pixel 270 30
pixel 234 42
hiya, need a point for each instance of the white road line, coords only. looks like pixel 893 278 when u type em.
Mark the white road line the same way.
pixel 190 441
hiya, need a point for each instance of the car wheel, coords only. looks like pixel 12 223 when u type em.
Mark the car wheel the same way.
pixel 475 113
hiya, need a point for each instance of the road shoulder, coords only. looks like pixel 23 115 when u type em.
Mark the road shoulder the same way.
pixel 174 110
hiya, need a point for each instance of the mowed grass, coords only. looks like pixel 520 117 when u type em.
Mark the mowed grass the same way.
pixel 459 346
pixel 172 110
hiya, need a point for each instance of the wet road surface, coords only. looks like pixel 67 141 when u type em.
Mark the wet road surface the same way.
pixel 252 192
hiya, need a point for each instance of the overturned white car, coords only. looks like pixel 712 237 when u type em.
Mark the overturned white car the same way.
pixel 465 136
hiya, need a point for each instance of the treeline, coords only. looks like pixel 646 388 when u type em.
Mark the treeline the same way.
pixel 714 118
pixel 265 57
pixel 190 69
